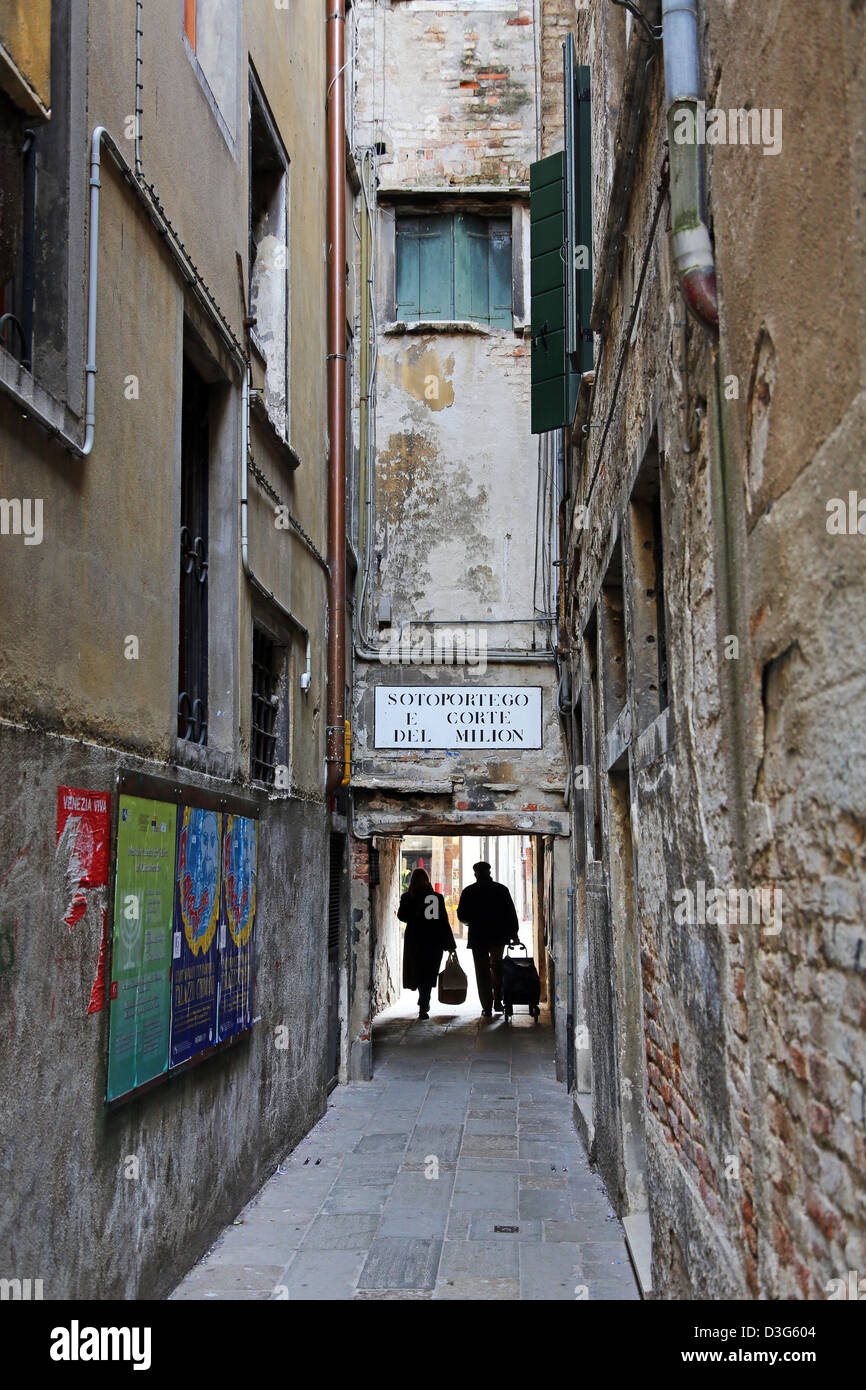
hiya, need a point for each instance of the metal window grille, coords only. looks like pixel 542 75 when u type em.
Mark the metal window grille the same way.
pixel 16 296
pixel 265 703
pixel 335 893
pixel 193 645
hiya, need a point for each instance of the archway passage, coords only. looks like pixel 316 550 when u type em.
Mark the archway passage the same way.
pixel 515 861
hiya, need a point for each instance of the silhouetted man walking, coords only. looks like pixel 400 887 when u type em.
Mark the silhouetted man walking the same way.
pixel 487 908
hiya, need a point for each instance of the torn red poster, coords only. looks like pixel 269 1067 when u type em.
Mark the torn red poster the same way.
pixel 83 826
pixel 75 910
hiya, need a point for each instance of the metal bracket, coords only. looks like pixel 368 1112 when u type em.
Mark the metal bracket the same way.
pixel 654 31
pixel 542 334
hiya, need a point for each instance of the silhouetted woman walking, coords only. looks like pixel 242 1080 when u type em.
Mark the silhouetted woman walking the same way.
pixel 428 933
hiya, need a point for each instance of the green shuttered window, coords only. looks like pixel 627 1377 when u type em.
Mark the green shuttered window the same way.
pixel 560 212
pixel 453 266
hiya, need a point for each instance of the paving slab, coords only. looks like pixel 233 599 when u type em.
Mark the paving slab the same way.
pixel 550 1271
pixel 320 1275
pixel 341 1232
pixel 398 1263
pixel 465 1288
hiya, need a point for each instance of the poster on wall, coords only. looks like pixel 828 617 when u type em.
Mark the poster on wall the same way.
pixel 237 925
pixel 81 845
pixel 138 1043
pixel 195 955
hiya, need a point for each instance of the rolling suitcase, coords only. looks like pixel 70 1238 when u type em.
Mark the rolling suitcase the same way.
pixel 520 982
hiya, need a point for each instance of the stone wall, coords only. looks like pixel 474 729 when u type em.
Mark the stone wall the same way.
pixel 752 1032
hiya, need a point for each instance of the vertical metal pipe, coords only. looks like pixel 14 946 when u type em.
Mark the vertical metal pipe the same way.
pixel 335 100
pixel 138 87
pixel 690 239
pixel 92 288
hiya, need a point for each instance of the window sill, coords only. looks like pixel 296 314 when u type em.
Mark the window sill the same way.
pixel 441 326
pixel 655 741
pixel 34 400
pixel 212 102
pixel 289 455
pixel 196 757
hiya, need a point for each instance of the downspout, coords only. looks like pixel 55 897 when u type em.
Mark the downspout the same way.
pixel 138 89
pixel 690 239
pixel 92 286
pixel 335 102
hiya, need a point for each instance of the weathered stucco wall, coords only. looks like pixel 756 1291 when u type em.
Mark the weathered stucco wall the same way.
pixel 75 707
pixel 204 1142
pixel 455 475
pixel 25 54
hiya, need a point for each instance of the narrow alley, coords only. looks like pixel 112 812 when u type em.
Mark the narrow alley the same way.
pixel 432 535
pixel 454 1174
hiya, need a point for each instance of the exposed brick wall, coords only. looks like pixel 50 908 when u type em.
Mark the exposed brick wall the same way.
pixel 558 18
pixel 452 94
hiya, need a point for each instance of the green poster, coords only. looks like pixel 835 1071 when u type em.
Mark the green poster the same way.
pixel 140 1016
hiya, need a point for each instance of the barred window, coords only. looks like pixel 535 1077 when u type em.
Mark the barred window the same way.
pixel 267 669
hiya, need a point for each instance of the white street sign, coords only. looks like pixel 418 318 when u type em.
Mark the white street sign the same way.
pixel 458 716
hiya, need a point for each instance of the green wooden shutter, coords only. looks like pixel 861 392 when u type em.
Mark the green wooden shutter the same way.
pixel 408 270
pixel 471 272
pixel 482 269
pixel 578 205
pixel 424 268
pixel 551 384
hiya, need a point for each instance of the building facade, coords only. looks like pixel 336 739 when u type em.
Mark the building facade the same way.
pixel 714 561
pixel 456 539
pixel 163 434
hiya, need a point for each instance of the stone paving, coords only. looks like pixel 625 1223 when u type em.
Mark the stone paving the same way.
pixel 454 1174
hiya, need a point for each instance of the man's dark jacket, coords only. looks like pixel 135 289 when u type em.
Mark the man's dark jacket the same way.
pixel 490 913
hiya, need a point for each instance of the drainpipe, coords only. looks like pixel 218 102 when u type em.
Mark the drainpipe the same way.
pixel 335 750
pixel 690 239
pixel 92 286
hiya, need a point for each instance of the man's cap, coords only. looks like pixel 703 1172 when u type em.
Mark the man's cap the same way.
pixel 482 864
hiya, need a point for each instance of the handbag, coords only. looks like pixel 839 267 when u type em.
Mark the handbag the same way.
pixel 452 982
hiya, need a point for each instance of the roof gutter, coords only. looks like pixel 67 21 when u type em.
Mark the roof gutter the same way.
pixel 335 750
pixel 691 247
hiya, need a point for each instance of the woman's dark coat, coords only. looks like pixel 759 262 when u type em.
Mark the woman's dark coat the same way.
pixel 427 935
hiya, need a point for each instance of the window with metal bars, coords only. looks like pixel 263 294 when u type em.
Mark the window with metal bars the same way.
pixel 192 716
pixel 335 894
pixel 267 661
pixel 18 242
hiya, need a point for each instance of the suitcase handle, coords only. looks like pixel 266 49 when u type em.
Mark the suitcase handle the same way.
pixel 516 946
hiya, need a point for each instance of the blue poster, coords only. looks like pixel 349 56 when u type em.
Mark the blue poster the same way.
pixel 195 953
pixel 237 925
